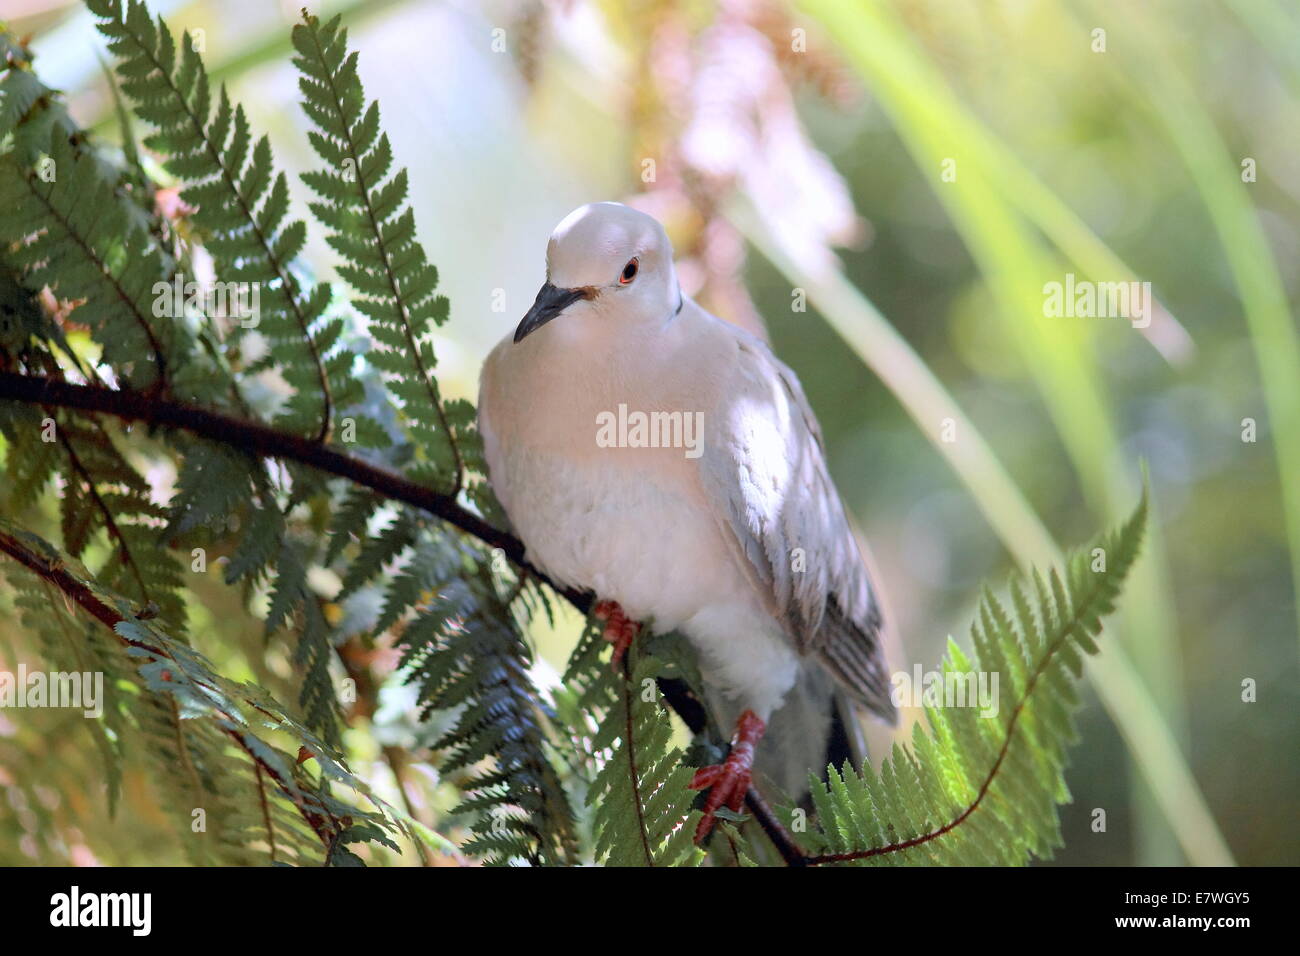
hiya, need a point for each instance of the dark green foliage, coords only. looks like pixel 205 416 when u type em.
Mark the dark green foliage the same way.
pixel 228 505
pixel 102 492
pixel 240 203
pixel 463 652
pixel 86 245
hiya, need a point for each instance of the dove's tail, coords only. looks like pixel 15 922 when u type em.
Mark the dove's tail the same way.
pixel 847 741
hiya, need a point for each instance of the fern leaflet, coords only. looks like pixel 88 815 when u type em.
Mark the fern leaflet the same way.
pixel 984 790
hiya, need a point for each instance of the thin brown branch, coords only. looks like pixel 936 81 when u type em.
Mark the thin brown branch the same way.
pixel 257 439
pixel 778 834
pixel 72 588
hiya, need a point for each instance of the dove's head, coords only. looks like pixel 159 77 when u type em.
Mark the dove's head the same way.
pixel 606 263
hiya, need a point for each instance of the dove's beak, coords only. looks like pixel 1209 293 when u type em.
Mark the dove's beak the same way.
pixel 550 302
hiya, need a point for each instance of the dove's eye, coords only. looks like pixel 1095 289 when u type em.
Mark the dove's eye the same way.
pixel 629 272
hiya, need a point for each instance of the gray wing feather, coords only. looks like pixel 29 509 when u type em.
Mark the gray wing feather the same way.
pixel 764 468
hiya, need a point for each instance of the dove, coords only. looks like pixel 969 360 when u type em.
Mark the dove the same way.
pixel 666 461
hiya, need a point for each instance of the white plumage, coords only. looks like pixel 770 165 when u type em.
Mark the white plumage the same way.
pixel 741 544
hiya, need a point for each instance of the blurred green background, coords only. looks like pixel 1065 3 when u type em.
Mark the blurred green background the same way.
pixel 914 171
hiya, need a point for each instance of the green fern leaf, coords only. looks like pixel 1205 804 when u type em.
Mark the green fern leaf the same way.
pixel 984 790
pixel 239 200
pixel 373 229
pixel 463 654
pixel 70 231
pixel 643 814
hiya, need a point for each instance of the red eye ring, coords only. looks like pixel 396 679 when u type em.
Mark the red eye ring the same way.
pixel 629 272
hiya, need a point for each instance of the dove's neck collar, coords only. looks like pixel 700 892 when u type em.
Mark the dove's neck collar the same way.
pixel 681 301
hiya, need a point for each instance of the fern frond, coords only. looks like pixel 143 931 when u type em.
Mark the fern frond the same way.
pixel 258 801
pixel 464 655
pixel 239 200
pixel 70 231
pixel 31 462
pixel 102 491
pixel 643 814
pixel 350 519
pixel 373 229
pixel 30 112
pixel 983 790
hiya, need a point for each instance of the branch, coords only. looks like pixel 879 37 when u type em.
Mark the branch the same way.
pixel 790 851
pixel 267 442
pixel 259 439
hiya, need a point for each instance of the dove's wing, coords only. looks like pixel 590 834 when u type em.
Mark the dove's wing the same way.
pixel 763 468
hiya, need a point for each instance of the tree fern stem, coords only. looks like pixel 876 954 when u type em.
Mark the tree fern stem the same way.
pixel 629 743
pixel 266 811
pixel 791 852
pixel 258 439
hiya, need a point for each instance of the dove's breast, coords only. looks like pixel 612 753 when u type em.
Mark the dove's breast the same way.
pixel 630 524
pixel 613 528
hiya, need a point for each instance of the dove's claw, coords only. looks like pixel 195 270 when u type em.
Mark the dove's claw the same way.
pixel 728 782
pixel 619 629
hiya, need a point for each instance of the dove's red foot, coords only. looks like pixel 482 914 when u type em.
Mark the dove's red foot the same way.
pixel 619 628
pixel 728 782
